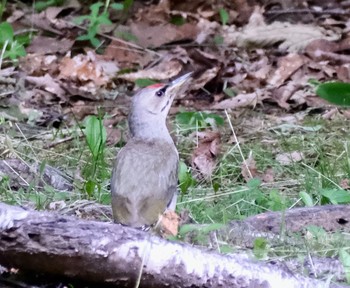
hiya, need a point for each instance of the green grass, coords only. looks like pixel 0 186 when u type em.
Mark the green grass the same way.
pixel 226 196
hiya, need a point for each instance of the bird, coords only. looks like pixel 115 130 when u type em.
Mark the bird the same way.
pixel 145 172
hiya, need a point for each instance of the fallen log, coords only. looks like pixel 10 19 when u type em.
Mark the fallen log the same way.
pixel 112 254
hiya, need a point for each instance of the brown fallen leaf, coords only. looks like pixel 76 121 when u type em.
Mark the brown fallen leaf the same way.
pixel 286 67
pixel 86 68
pixel 157 35
pixel 204 156
pixel 248 168
pixel 86 75
pixel 113 135
pixel 345 184
pixel 47 83
pixel 249 171
pixel 289 158
pixel 49 45
pixel 39 65
pixel 242 100
pixel 268 176
pixel 164 70
pixel 125 55
pixel 169 223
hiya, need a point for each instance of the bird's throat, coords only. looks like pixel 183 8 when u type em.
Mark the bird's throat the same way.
pixel 148 128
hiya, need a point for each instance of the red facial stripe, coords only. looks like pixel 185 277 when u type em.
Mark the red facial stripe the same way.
pixel 157 85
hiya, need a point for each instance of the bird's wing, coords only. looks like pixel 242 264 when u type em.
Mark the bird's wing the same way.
pixel 144 182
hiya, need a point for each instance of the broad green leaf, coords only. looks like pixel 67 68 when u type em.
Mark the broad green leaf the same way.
pixel 224 16
pixel 344 257
pixel 254 183
pixel 6 33
pixel 126 36
pixel 104 19
pixel 117 6
pixel 42 5
pixel 177 20
pixel 144 82
pixel 218 39
pixel 230 92
pixel 307 199
pixel 95 42
pixel 95 8
pixel 80 19
pixel 336 196
pixel 260 248
pixel 127 4
pixel 335 92
pixel 90 186
pixel 96 135
pixel 185 178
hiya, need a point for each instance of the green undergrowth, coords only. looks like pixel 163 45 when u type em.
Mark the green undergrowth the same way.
pixel 318 178
pixel 224 196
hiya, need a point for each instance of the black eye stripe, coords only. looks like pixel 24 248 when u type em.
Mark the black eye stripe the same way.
pixel 161 91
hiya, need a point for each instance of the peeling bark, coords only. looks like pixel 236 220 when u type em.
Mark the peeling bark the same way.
pixel 112 254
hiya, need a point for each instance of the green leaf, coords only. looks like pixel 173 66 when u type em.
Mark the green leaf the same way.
pixel 104 19
pixel 117 6
pixel 15 50
pixel 335 92
pixel 90 186
pixel 199 120
pixel 185 178
pixel 344 257
pixel 6 33
pixel 126 36
pixel 80 19
pixel 95 8
pixel 83 37
pixel 96 135
pixel 204 229
pixel 218 40
pixel 254 183
pixel 177 20
pixel 336 196
pixel 230 92
pixel 95 42
pixel 224 16
pixel 144 82
pixel 307 199
pixel 128 4
pixel 260 248
pixel 42 5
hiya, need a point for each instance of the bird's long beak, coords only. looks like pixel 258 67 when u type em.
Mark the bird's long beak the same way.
pixel 178 82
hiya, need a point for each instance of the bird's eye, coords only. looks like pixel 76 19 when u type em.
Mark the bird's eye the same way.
pixel 160 93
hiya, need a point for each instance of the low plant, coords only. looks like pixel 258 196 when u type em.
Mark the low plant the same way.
pixel 95 171
pixel 98 17
pixel 11 45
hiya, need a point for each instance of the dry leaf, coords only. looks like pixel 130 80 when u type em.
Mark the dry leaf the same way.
pixel 294 37
pixel 268 176
pixel 248 168
pixel 169 223
pixel 48 83
pixel 49 45
pixel 242 100
pixel 155 36
pixel 286 67
pixel 345 184
pixel 164 70
pixel 113 136
pixel 125 55
pixel 204 156
pixel 289 158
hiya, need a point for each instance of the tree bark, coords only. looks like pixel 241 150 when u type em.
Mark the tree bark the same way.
pixel 112 254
